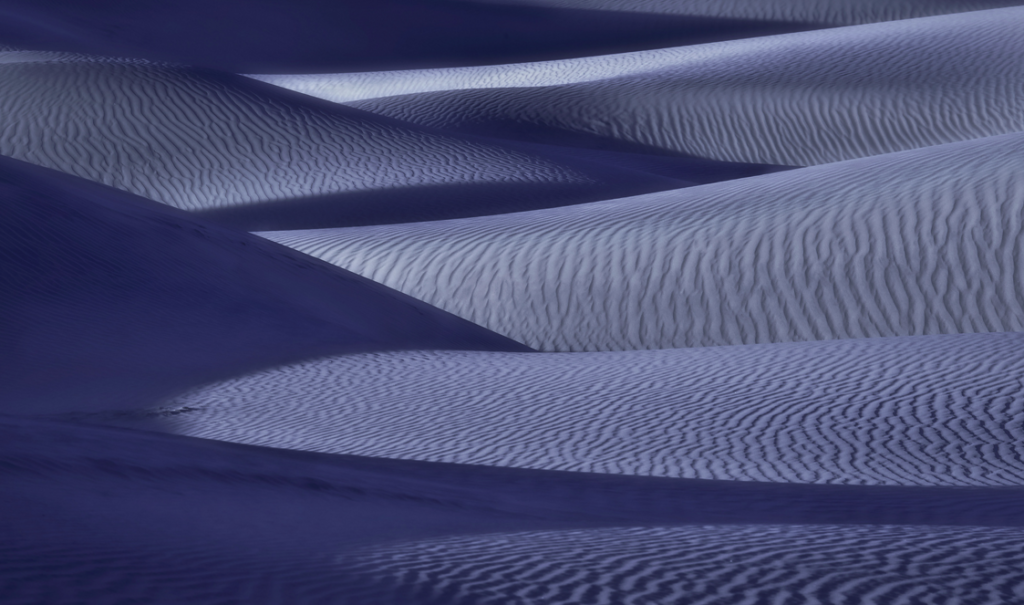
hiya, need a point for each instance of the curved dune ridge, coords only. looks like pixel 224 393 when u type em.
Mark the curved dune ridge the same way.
pixel 921 242
pixel 512 302
pixel 100 515
pixel 201 141
pixel 709 565
pixel 834 12
pixel 796 100
pixel 931 410
pixel 111 299
pixel 313 36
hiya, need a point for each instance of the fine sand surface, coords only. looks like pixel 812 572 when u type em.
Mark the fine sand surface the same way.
pixel 921 242
pixel 797 100
pixel 925 410
pixel 512 302
pixel 96 515
pixel 111 299
pixel 708 565
pixel 265 158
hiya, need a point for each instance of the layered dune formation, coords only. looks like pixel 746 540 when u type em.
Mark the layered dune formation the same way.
pixel 532 301
pixel 921 242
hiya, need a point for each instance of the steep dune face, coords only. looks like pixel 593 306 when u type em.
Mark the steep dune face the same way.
pixel 111 300
pixel 922 242
pixel 933 410
pixel 796 100
pixel 201 141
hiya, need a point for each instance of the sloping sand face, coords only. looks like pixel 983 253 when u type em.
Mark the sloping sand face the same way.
pixel 268 159
pixel 104 515
pixel 921 242
pixel 111 299
pixel 933 410
pixel 795 100
pixel 833 412
pixel 707 565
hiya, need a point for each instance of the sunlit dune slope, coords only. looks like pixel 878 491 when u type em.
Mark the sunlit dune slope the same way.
pixel 918 410
pixel 921 242
pixel 798 99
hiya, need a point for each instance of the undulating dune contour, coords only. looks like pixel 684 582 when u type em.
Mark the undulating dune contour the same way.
pixel 107 515
pixel 925 410
pixel 274 276
pixel 265 158
pixel 110 299
pixel 921 242
pixel 798 99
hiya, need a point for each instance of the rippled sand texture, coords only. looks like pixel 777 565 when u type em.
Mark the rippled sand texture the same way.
pixel 939 410
pixel 797 99
pixel 710 565
pixel 198 141
pixel 512 302
pixel 922 242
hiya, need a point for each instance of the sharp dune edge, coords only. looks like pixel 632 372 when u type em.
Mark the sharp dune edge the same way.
pixel 836 12
pixel 811 209
pixel 921 242
pixel 939 410
pixel 796 100
pixel 111 299
pixel 200 141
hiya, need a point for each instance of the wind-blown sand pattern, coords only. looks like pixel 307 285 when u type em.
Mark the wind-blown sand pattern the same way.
pixel 921 242
pixel 710 565
pixel 796 100
pixel 273 346
pixel 939 410
pixel 201 141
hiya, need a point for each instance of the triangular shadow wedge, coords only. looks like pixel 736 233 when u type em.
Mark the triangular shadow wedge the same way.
pixel 111 298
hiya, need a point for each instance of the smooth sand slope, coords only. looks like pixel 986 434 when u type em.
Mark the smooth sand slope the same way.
pixel 921 242
pixel 924 410
pixel 710 565
pixel 266 158
pixel 111 300
pixel 96 515
pixel 834 12
pixel 317 36
pixel 797 99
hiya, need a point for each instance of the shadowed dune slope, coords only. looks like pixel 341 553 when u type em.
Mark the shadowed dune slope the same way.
pixel 314 36
pixel 927 241
pixel 797 99
pixel 912 410
pixel 708 565
pixel 110 299
pixel 835 12
pixel 199 140
pixel 101 515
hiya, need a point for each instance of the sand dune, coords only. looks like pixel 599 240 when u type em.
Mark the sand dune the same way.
pixel 797 99
pixel 932 410
pixel 835 12
pixel 266 158
pixel 111 299
pixel 103 515
pixel 709 565
pixel 921 242
pixel 311 36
